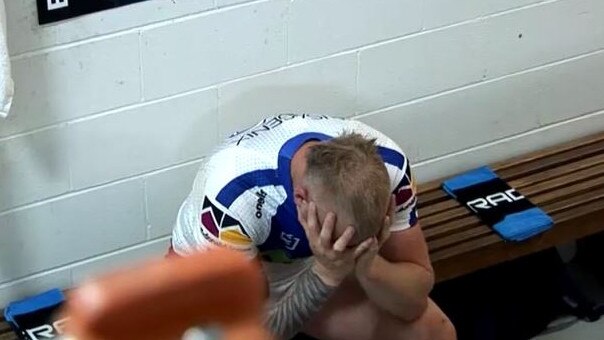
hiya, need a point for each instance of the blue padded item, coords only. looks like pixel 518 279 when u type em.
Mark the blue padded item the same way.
pixel 515 226
pixel 25 306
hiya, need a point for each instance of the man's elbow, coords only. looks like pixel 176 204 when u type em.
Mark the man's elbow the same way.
pixel 412 310
pixel 416 306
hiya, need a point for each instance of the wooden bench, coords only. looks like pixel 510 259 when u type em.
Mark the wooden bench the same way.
pixel 567 181
pixel 6 332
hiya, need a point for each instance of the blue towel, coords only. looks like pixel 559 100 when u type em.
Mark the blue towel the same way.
pixel 517 226
pixel 34 316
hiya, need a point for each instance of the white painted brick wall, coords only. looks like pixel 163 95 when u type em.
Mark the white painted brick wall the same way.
pixel 62 231
pixel 501 108
pixel 319 27
pixel 165 191
pixel 437 13
pixel 26 35
pixel 294 89
pixel 141 139
pixel 59 85
pixel 212 48
pixel 484 49
pixel 33 167
pixel 114 111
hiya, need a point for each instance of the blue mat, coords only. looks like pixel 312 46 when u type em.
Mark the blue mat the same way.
pixel 517 226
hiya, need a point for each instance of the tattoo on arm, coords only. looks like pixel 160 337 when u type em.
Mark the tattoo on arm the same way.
pixel 308 293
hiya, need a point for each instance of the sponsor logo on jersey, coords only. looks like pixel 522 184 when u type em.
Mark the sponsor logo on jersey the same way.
pixel 268 124
pixel 290 241
pixel 221 229
pixel 260 202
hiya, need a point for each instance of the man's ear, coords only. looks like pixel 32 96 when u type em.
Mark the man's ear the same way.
pixel 300 195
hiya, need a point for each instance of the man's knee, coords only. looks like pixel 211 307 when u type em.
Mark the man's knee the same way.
pixel 436 325
pixel 433 324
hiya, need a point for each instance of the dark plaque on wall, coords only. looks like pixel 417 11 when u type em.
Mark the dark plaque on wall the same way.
pixel 56 10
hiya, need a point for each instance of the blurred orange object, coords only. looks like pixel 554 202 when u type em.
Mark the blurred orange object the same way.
pixel 162 299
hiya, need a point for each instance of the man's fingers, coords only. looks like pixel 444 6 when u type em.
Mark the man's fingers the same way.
pixel 361 248
pixel 311 222
pixel 342 242
pixel 384 235
pixel 302 213
pixel 327 230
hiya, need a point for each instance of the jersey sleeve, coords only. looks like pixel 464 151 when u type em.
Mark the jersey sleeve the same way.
pixel 405 196
pixel 222 210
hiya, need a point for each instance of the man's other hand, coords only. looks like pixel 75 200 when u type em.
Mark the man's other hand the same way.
pixel 365 261
pixel 334 259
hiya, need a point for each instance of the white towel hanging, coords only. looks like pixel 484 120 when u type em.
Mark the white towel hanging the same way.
pixel 6 82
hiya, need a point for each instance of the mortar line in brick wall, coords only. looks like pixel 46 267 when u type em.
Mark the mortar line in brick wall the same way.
pixel 146 207
pixel 77 192
pixel 32 131
pixel 479 83
pixel 169 97
pixel 217 86
pixel 286 67
pixel 129 30
pixel 71 265
pixel 231 7
pixel 423 31
pixel 278 69
pixel 118 251
pixel 358 115
pixel 356 82
pixel 107 112
pixel 286 32
pixel 141 70
pixel 34 276
pixel 540 129
pixel 218 109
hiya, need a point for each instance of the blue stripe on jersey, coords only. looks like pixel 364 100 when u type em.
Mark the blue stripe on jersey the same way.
pixel 413 217
pixel 240 184
pixel 287 235
pixel 286 153
pixel 392 157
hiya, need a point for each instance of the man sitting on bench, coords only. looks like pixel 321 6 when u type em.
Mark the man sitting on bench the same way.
pixel 329 207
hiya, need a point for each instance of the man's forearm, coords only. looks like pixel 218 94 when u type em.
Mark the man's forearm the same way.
pixel 307 294
pixel 400 288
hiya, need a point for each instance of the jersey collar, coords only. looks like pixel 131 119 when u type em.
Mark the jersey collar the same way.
pixel 286 153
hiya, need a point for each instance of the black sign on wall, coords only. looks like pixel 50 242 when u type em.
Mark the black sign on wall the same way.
pixel 56 10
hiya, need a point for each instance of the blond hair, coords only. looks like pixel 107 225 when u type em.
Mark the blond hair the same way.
pixel 350 169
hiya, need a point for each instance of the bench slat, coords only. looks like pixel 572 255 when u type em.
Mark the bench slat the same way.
pixel 493 251
pixel 584 197
pixel 557 209
pixel 551 202
pixel 531 157
pixel 470 245
pixel 431 192
pixel 459 237
pixel 529 186
pixel 451 227
pixel 559 171
pixel 6 333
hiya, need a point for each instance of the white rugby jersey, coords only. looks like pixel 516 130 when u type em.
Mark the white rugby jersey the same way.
pixel 242 197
